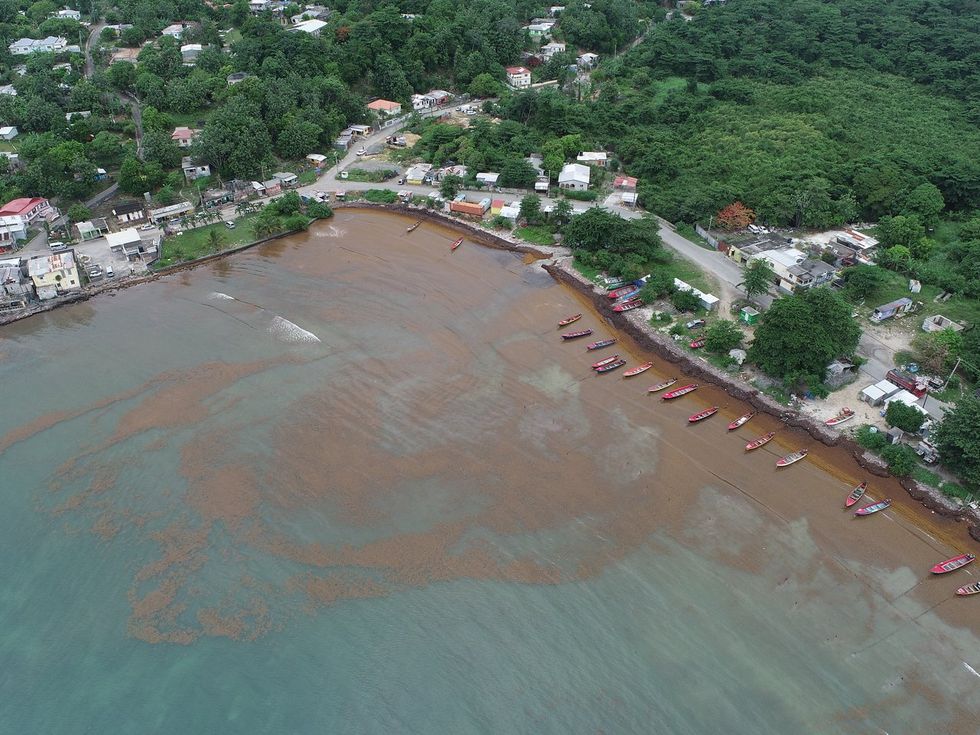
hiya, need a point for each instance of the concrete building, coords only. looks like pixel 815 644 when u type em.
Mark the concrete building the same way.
pixel 593 158
pixel 313 26
pixel 518 77
pixel 189 53
pixel 892 308
pixel 12 231
pixel 385 108
pixel 192 171
pixel 92 229
pixel 49 45
pixel 171 212
pixel 128 212
pixel 8 132
pixel 16 289
pixel 708 301
pixel 29 209
pixel 574 176
pixel 54 275
pixel 551 49
pixel 794 269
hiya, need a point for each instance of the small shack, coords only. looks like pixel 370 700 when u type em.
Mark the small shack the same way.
pixel 749 315
pixel 876 394
pixel 887 311
pixel 938 323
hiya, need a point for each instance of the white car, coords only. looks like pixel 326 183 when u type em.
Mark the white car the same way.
pixel 361 151
pixel 109 272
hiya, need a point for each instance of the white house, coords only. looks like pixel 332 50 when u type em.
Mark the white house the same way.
pixel 174 30
pixel 313 27
pixel 794 269
pixel 574 176
pixel 488 178
pixel 67 13
pixel 593 158
pixel 421 102
pixel 128 212
pixel 190 51
pixel 12 230
pixel 258 6
pixel 49 45
pixel 518 77
pixel 551 49
pixel 587 60
pixel 192 171
pixel 8 89
pixel 8 132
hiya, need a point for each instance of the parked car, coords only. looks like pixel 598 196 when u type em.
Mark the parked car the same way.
pixel 229 224
pixel 109 273
pixel 695 324
pixel 144 228
pixel 361 151
pixel 56 245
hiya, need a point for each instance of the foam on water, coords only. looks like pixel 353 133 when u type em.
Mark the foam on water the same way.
pixel 286 331
pixel 218 296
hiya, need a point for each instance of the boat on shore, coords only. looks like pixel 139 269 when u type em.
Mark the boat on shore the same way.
pixel 845 414
pixel 628 306
pixel 611 366
pixel 698 343
pixel 660 386
pixel 741 420
pixel 569 320
pixel 951 565
pixel 682 391
pixel 756 443
pixel 597 365
pixel 638 369
pixel 792 458
pixel 856 494
pixel 413 228
pixel 702 415
pixel 970 589
pixel 576 335
pixel 452 248
pixel 600 344
pixel 873 508
pixel 618 293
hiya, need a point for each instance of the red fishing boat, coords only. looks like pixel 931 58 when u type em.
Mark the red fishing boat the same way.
pixel 629 305
pixel 845 414
pixel 597 365
pixel 741 421
pixel 873 508
pixel 600 344
pixel 638 369
pixel 611 366
pixel 702 415
pixel 856 494
pixel 792 458
pixel 456 244
pixel 660 386
pixel 618 293
pixel 698 343
pixel 970 589
pixel 576 335
pixel 951 565
pixel 682 391
pixel 756 443
pixel 569 320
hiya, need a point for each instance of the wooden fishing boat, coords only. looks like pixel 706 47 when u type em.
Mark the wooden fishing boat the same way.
pixel 856 494
pixel 873 508
pixel 756 443
pixel 792 458
pixel 613 283
pixel 698 343
pixel 597 365
pixel 413 228
pixel 576 335
pixel 618 293
pixel 682 391
pixel 702 415
pixel 569 319
pixel 660 386
pixel 845 414
pixel 455 245
pixel 970 589
pixel 600 344
pixel 741 420
pixel 638 369
pixel 611 366
pixel 629 305
pixel 951 565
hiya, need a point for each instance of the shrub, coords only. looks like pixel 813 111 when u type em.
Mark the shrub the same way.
pixel 906 418
pixel 901 459
pixel 582 196
pixel 381 196
pixel 722 336
pixel 685 301
pixel 870 438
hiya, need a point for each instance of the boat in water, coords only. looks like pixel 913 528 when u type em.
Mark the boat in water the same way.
pixel 756 443
pixel 413 228
pixel 660 386
pixel 629 305
pixel 611 366
pixel 597 365
pixel 698 343
pixel 576 335
pixel 452 248
pixel 741 420
pixel 600 344
pixel 951 565
pixel 873 508
pixel 845 414
pixel 569 320
pixel 792 458
pixel 702 415
pixel 970 589
pixel 856 494
pixel 682 391
pixel 638 369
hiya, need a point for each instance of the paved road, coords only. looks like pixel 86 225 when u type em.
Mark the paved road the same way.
pixel 93 36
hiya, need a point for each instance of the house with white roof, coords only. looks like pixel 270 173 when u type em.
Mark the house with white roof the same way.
pixel 174 30
pixel 487 178
pixel 67 13
pixel 8 132
pixel 49 45
pixel 312 26
pixel 587 60
pixel 574 176
pixel 551 49
pixel 189 53
pixel 593 158
pixel 8 89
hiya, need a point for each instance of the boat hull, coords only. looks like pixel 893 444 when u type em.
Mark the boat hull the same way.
pixel 698 343
pixel 856 494
pixel 611 366
pixel 597 365
pixel 638 369
pixel 683 391
pixel 873 508
pixel 569 320
pixel 661 386
pixel 791 458
pixel 577 335
pixel 628 306
pixel 761 441
pixel 600 344
pixel 970 589
pixel 702 415
pixel 741 421
pixel 951 565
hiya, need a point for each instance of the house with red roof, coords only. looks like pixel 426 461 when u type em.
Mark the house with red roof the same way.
pixel 29 209
pixel 625 183
pixel 385 107
pixel 519 77
pixel 183 136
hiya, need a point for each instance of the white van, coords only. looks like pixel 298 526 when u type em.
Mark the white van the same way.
pixel 109 273
pixel 56 245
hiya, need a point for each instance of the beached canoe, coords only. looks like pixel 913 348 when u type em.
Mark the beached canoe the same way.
pixel 970 589
pixel 698 343
pixel 618 293
pixel 702 415
pixel 638 369
pixel 856 494
pixel 629 305
pixel 611 366
pixel 951 565
pixel 576 335
pixel 413 228
pixel 756 443
pixel 455 245
pixel 569 320
pixel 682 391
pixel 600 344
pixel 660 386
pixel 741 420
pixel 873 508
pixel 792 458
pixel 613 283
pixel 846 414
pixel 597 365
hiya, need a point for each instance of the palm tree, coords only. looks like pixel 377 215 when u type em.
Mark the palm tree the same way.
pixel 215 241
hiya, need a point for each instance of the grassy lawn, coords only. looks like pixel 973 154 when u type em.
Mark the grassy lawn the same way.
pixel 196 244
pixel 189 119
pixel 930 478
pixel 306 177
pixel 677 267
pixel 543 236
pixel 667 86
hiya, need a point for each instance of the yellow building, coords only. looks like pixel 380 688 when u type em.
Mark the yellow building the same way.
pixel 54 274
